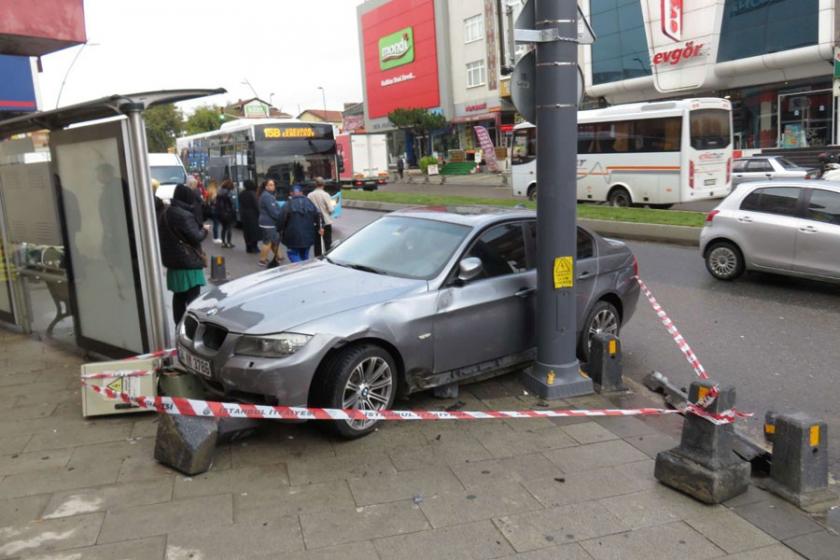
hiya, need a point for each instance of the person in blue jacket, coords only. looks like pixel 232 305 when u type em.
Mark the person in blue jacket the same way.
pixel 300 225
pixel 269 218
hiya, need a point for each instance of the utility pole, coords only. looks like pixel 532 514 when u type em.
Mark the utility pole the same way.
pixel 555 32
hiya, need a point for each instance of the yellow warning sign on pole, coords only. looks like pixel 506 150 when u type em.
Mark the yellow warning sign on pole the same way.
pixel 564 272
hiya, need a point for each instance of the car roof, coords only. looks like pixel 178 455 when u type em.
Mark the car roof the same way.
pixel 800 183
pixel 473 216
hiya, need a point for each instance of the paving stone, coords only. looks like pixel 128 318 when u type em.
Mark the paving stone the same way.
pixel 753 495
pixel 404 485
pixel 453 508
pixel 267 539
pixel 33 461
pixel 596 455
pixel 589 432
pixel 651 444
pixel 55 534
pixel 169 517
pixel 140 549
pixel 530 424
pixel 659 506
pixel 663 542
pixel 777 518
pixel 565 524
pixel 129 448
pixel 56 480
pixel 145 427
pixel 730 532
pixel 76 435
pixel 511 444
pixel 292 500
pixel 572 488
pixel 436 454
pixel 323 469
pixel 20 510
pixel 470 541
pixel 275 451
pixel 521 468
pixel 563 552
pixel 641 473
pixel 775 552
pixel 816 546
pixel 43 410
pixel 626 426
pixel 247 479
pixel 354 551
pixel 147 468
pixel 346 525
pixel 14 444
pixel 7 379
pixel 388 437
pixel 124 495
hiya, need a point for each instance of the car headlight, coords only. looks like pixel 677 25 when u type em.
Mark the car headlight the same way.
pixel 272 345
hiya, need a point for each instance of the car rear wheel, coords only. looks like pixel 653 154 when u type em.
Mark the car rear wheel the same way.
pixel 620 198
pixel 602 318
pixel 362 377
pixel 724 261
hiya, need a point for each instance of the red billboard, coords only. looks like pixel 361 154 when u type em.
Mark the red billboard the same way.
pixel 401 69
pixel 42 27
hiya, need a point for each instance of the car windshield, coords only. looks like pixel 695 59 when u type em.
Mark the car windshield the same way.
pixel 787 164
pixel 167 174
pixel 401 246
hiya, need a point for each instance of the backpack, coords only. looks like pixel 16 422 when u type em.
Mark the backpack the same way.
pixel 225 211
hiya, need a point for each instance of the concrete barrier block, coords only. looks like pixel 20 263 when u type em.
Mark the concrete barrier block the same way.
pixel 605 364
pixel 186 443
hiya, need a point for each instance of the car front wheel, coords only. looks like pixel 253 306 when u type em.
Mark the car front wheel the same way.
pixel 603 318
pixel 362 377
pixel 724 261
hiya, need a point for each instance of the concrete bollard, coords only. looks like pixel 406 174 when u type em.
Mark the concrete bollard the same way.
pixel 704 465
pixel 218 273
pixel 605 367
pixel 186 443
pixel 799 472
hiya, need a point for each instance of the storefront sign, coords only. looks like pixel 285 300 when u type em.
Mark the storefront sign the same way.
pixel 487 148
pixel 396 49
pixel 17 89
pixel 681 53
pixel 672 19
pixel 475 107
pixel 397 79
pixel 255 109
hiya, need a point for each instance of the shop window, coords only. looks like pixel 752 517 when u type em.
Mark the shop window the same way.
pixel 474 29
pixel 767 26
pixel 476 74
pixel 621 51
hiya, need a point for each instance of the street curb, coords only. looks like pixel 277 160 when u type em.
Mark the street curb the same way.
pixel 679 235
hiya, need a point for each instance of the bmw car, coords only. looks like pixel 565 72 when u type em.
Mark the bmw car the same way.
pixel 418 299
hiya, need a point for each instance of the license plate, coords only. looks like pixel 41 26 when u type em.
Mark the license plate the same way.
pixel 710 182
pixel 193 362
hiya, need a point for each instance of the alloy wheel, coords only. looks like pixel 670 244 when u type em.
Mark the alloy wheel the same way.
pixel 368 388
pixel 723 261
pixel 605 321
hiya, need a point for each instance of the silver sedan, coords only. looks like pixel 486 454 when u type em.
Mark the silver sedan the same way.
pixel 418 299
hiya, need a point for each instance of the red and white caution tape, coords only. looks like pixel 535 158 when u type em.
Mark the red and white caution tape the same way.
pixel 159 354
pixel 120 373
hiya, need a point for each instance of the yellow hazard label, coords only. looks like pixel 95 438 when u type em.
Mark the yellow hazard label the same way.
pixel 702 393
pixel 564 272
pixel 769 428
pixel 116 385
pixel 549 379
pixel 613 349
pixel 815 435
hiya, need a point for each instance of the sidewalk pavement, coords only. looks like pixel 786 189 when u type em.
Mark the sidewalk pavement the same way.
pixel 529 489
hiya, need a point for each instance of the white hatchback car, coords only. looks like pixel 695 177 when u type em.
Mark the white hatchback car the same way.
pixel 789 227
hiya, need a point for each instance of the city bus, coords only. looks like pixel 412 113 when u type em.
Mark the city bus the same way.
pixel 656 154
pixel 286 150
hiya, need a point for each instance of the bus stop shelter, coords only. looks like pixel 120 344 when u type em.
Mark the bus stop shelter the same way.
pixel 79 254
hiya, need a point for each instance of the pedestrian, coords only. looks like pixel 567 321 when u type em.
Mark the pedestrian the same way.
pixel 180 236
pixel 210 210
pixel 249 213
pixel 159 204
pixel 400 167
pixel 300 225
pixel 268 220
pixel 226 212
pixel 197 199
pixel 324 203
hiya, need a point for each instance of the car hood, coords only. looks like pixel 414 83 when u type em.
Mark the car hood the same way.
pixel 280 299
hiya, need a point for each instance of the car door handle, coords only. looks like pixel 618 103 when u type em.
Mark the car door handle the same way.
pixel 808 229
pixel 524 292
pixel 768 175
pixel 745 220
pixel 583 275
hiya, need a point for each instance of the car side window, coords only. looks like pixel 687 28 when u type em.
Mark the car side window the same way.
pixel 585 243
pixel 824 207
pixel 501 250
pixel 773 200
pixel 759 166
pixel 739 166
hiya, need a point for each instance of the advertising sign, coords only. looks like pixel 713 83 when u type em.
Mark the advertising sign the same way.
pixel 400 57
pixel 672 18
pixel 17 90
pixel 487 147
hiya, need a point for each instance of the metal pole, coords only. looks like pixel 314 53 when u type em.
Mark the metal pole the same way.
pixel 556 373
pixel 149 248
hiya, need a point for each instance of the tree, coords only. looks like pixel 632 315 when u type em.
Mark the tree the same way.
pixel 163 124
pixel 204 119
pixel 420 122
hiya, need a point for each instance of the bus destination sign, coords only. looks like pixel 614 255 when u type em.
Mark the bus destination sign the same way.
pixel 294 132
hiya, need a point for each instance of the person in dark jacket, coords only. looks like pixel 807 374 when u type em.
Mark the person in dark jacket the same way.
pixel 181 235
pixel 226 212
pixel 249 212
pixel 269 216
pixel 300 224
pixel 197 202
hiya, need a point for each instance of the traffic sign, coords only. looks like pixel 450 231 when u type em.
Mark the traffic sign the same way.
pixel 523 86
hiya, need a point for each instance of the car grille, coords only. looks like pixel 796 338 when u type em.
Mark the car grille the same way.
pixel 214 336
pixel 190 326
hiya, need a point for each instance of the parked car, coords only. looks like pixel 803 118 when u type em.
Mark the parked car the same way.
pixel 418 299
pixel 168 170
pixel 763 168
pixel 784 227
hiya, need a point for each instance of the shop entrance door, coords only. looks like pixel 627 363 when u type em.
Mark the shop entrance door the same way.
pixel 805 119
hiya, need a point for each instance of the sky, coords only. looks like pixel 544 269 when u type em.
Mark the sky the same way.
pixel 284 47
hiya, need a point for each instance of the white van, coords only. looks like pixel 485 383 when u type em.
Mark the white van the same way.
pixel 168 170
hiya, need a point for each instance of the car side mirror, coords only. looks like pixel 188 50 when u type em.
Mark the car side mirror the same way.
pixel 469 268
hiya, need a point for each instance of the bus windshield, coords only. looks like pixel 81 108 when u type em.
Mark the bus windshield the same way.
pixel 710 129
pixel 524 146
pixel 294 153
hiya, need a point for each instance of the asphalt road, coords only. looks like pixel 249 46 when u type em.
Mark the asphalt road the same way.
pixel 777 340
